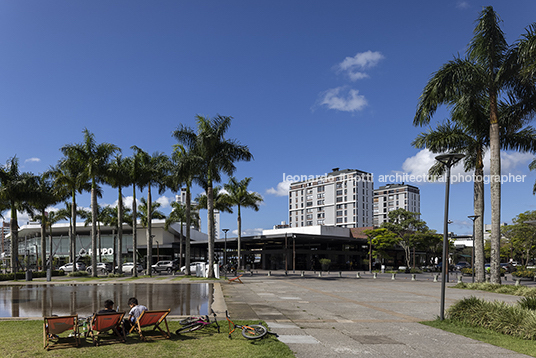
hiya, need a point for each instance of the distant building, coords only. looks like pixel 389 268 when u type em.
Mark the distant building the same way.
pixel 342 198
pixel 181 198
pixel 395 196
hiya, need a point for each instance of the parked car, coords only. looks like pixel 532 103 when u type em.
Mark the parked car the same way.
pixel 165 266
pixel 69 267
pixel 462 264
pixel 128 267
pixel 193 266
pixel 102 268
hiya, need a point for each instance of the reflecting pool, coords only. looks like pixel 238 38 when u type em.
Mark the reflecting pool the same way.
pixel 84 300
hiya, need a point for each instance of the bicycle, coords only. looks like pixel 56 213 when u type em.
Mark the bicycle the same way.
pixel 191 324
pixel 254 331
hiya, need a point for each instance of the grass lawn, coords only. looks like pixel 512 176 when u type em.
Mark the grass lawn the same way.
pixel 522 346
pixel 25 339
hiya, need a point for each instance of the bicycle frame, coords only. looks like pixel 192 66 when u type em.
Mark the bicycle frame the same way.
pixel 199 323
pixel 249 332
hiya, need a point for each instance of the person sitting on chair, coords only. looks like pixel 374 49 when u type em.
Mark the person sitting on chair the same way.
pixel 135 311
pixel 108 307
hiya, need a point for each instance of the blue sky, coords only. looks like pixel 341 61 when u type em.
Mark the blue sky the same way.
pixel 311 85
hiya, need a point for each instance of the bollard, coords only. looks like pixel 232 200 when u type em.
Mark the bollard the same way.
pixel 302 273
pixel 460 279
pixel 517 282
pixel 269 273
pixel 319 273
pixel 375 275
pixel 435 277
pixel 357 275
pixel 286 273
pixel 413 277
pixel 393 277
pixel 251 273
pixel 340 274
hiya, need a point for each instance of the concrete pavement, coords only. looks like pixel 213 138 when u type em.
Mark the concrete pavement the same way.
pixel 334 316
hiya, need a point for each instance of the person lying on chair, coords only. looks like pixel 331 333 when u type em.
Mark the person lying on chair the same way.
pixel 135 311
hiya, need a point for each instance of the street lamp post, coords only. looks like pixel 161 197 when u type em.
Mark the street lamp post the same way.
pixel 473 218
pixel 225 248
pixel 448 160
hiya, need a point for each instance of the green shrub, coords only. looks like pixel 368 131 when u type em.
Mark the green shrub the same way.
pixel 523 272
pixel 528 303
pixel 78 274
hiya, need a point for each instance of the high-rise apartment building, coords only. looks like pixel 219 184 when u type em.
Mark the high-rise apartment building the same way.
pixel 341 198
pixel 395 196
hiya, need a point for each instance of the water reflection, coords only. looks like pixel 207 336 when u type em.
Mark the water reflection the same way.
pixel 41 301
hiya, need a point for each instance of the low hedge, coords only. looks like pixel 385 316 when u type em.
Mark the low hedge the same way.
pixel 21 275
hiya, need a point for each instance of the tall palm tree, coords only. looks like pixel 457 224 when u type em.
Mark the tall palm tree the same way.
pixel 45 197
pixel 117 176
pixel 153 170
pixel 95 158
pixel 486 73
pixel 240 197
pixel 178 214
pixel 222 203
pixel 145 216
pixel 111 218
pixel 185 167
pixel 469 134
pixel 217 155
pixel 16 189
pixel 48 220
pixel 69 176
pixel 135 175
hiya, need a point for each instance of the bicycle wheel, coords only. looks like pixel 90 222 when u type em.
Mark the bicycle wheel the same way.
pixel 189 320
pixel 255 331
pixel 189 328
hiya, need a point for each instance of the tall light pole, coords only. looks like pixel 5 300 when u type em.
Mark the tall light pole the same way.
pixel 448 160
pixel 225 248
pixel 473 218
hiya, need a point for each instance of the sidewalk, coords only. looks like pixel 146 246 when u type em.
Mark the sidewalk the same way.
pixel 334 316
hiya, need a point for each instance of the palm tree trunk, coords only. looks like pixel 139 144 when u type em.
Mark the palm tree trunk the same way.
pixel 14 239
pixel 99 241
pixel 134 233
pixel 239 225
pixel 478 202
pixel 210 206
pixel 495 189
pixel 180 245
pixel 73 231
pixel 43 240
pixel 188 224
pixel 149 232
pixel 114 260
pixel 119 230
pixel 93 231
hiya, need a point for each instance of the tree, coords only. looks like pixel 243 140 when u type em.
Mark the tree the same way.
pixel 94 159
pixel 144 215
pixel 217 155
pixel 16 190
pixel 48 220
pixel 522 235
pixel 45 196
pixel 468 133
pixel 381 240
pixel 487 74
pixel 221 202
pixel 178 214
pixel 240 197
pixel 185 167
pixel 70 177
pixel 118 177
pixel 111 218
pixel 406 226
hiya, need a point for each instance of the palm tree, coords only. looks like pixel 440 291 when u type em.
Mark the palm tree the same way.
pixel 16 188
pixel 144 215
pixel 111 218
pixel 95 158
pixel 45 197
pixel 135 176
pixel 178 214
pixel 222 203
pixel 69 176
pixel 185 167
pixel 469 134
pixel 240 197
pixel 217 155
pixel 486 74
pixel 153 173
pixel 48 220
pixel 117 176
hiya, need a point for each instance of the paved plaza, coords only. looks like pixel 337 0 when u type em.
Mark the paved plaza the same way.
pixel 334 316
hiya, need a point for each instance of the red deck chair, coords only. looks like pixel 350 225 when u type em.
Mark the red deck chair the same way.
pixel 104 322
pixel 56 325
pixel 152 318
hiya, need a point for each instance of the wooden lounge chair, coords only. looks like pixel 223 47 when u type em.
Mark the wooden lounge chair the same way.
pixel 104 322
pixel 151 318
pixel 56 325
pixel 236 279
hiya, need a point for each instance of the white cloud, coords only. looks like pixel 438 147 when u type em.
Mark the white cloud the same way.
pixel 165 202
pixel 462 5
pixel 32 160
pixel 281 189
pixel 352 102
pixel 354 66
